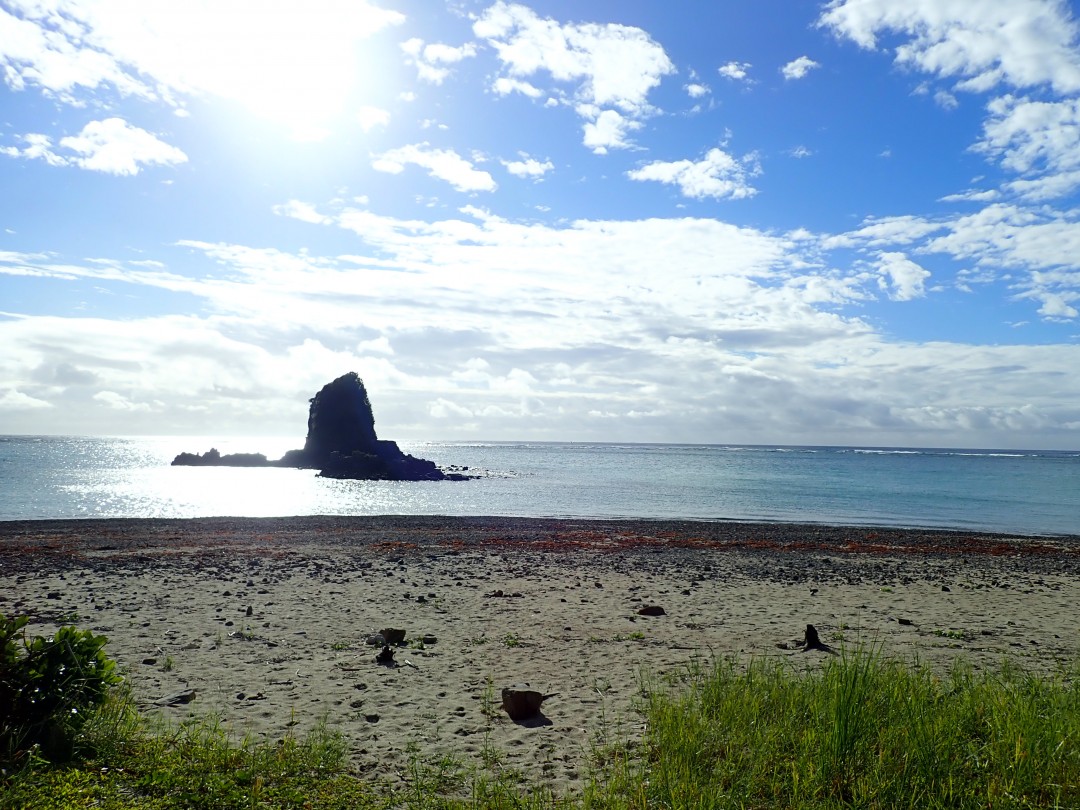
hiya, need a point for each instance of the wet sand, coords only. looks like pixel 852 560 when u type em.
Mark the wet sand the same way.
pixel 267 620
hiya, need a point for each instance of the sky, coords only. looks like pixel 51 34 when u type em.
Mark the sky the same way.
pixel 853 222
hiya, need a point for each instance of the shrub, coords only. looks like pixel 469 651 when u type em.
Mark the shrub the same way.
pixel 48 686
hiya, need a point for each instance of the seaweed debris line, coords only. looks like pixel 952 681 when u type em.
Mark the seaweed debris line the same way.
pixel 341 443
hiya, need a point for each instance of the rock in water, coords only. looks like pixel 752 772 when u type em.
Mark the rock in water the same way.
pixel 341 440
pixel 340 420
pixel 341 443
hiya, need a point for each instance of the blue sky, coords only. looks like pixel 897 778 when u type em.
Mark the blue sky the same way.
pixel 846 222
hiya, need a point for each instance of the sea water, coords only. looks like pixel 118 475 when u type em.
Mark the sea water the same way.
pixel 1028 492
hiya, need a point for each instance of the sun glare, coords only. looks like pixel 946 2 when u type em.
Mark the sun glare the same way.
pixel 294 63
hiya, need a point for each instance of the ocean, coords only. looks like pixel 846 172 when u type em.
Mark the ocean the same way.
pixel 1010 491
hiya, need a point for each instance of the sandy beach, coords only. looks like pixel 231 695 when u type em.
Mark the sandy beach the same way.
pixel 268 620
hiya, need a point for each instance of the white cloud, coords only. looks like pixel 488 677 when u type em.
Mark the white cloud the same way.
pixel 444 164
pixel 697 90
pixel 305 212
pixel 882 231
pixel 371 117
pixel 609 131
pixel 1037 139
pixel 528 167
pixel 112 146
pixel 14 400
pixel 946 100
pixel 800 152
pixel 504 86
pixel 717 175
pixel 635 320
pixel 118 402
pixel 904 278
pixel 736 71
pixel 164 51
pixel 798 68
pixel 1035 248
pixel 431 60
pixel 1056 306
pixel 1022 43
pixel 613 67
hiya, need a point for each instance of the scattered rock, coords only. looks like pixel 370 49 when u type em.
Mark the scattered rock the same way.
pixel 386 657
pixel 521 704
pixel 376 640
pixel 392 636
pixel 652 610
pixel 429 639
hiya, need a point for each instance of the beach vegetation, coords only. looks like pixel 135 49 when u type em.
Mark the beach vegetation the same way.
pixel 956 635
pixel 512 640
pixel 48 688
pixel 858 730
pixel 854 730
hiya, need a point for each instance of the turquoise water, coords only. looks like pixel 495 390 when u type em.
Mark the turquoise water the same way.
pixel 1007 491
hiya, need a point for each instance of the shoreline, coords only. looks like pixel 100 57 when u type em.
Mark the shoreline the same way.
pixel 266 618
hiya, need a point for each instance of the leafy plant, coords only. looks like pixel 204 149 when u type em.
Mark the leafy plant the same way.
pixel 48 686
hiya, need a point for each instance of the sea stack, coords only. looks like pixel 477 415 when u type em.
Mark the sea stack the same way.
pixel 341 442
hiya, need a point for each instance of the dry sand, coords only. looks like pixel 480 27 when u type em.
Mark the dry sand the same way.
pixel 267 620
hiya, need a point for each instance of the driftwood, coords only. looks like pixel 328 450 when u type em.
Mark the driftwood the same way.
pixel 521 704
pixel 177 698
pixel 812 641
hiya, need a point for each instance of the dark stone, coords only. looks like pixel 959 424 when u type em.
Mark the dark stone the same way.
pixel 651 610
pixel 213 458
pixel 522 704
pixel 341 443
pixel 812 641
pixel 392 636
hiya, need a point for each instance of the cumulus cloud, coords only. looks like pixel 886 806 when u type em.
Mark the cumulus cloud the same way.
pixel 736 71
pixel 444 164
pixel 717 175
pixel 432 60
pixel 611 68
pixel 798 68
pixel 1037 139
pixel 528 167
pixel 112 146
pixel 903 278
pixel 504 86
pixel 609 131
pixel 1022 43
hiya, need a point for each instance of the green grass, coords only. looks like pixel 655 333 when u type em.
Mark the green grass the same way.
pixel 860 732
pixel 857 730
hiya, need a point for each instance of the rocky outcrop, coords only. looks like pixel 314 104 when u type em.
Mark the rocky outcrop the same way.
pixel 341 443
pixel 213 458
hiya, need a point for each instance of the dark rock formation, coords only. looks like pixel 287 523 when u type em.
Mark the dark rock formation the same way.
pixel 341 443
pixel 213 458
